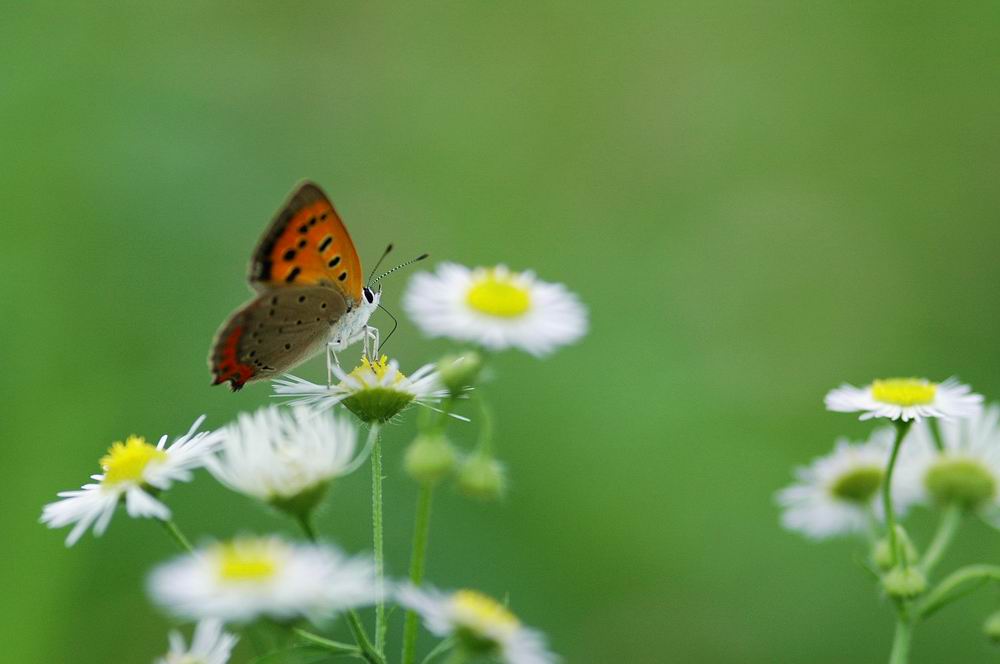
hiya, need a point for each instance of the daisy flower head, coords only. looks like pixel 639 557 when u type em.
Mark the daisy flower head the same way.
pixel 837 494
pixel 134 471
pixel 495 308
pixel 374 391
pixel 209 645
pixel 480 624
pixel 906 399
pixel 965 469
pixel 253 577
pixel 285 456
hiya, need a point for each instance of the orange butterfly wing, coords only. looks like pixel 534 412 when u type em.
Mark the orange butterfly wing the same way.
pixel 307 245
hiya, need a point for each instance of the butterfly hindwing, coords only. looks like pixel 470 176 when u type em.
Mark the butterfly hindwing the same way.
pixel 307 245
pixel 274 332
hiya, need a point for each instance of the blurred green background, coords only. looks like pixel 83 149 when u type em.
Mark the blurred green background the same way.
pixel 757 201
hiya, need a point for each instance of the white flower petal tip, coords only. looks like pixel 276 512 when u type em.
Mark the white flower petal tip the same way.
pixel 280 454
pixel 254 577
pixel 838 494
pixel 495 308
pixel 906 399
pixel 132 470
pixel 209 645
pixel 479 623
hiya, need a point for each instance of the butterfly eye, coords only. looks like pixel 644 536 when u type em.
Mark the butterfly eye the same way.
pixel 369 295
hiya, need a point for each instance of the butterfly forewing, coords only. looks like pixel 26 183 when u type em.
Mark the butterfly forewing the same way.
pixel 274 332
pixel 307 245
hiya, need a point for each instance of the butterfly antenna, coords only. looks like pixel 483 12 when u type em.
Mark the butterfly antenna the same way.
pixel 379 262
pixel 401 265
pixel 395 324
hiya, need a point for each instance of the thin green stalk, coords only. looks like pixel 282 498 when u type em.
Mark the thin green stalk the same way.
pixel 935 427
pixel 951 588
pixel 364 647
pixel 327 644
pixel 890 515
pixel 901 642
pixel 950 521
pixel 176 534
pixel 486 425
pixel 418 560
pixel 377 536
pixel 457 656
pixel 306 524
pixel 439 649
pixel 368 651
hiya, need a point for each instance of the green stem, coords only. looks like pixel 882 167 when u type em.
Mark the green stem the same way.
pixel 176 534
pixel 364 647
pixel 327 644
pixel 457 656
pixel 935 427
pixel 950 521
pixel 950 589
pixel 368 651
pixel 890 515
pixel 486 426
pixel 901 642
pixel 440 648
pixel 377 534
pixel 418 560
pixel 306 524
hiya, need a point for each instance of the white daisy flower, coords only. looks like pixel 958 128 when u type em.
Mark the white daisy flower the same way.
pixel 134 471
pixel 838 494
pixel 905 399
pixel 966 472
pixel 210 645
pixel 480 624
pixel 285 456
pixel 495 308
pixel 253 577
pixel 374 391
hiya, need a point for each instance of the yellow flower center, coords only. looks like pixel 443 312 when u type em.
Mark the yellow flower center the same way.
pixel 478 610
pixel 246 560
pixel 369 371
pixel 125 462
pixel 498 295
pixel 904 391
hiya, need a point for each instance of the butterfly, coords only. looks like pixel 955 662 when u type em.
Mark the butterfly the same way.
pixel 309 294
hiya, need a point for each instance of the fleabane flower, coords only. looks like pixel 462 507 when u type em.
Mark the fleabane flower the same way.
pixel 209 645
pixel 480 624
pixel 495 308
pixel 253 577
pixel 374 391
pixel 285 456
pixel 837 494
pixel 906 399
pixel 134 472
pixel 966 472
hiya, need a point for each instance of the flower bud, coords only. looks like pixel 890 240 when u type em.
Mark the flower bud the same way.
pixel 429 458
pixel 482 477
pixel 991 628
pixel 904 583
pixel 458 373
pixel 956 480
pixel 882 555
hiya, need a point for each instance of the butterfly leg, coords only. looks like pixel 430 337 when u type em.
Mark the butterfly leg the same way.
pixel 372 334
pixel 331 361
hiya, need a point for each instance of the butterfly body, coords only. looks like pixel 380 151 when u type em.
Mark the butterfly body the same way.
pixel 308 281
